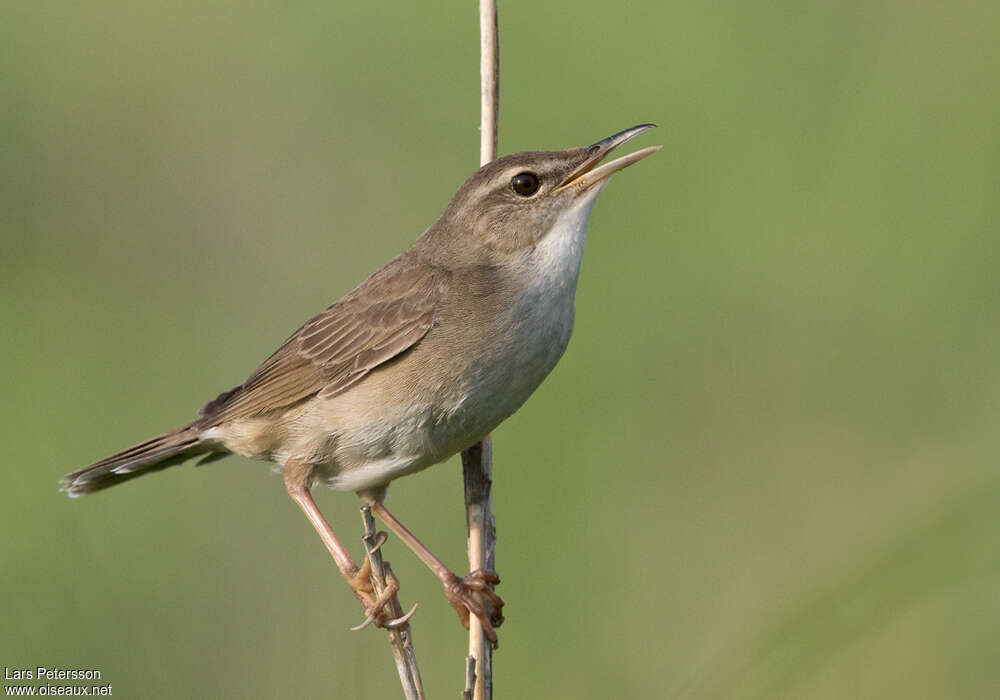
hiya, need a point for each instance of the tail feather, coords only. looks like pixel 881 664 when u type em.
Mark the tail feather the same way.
pixel 158 453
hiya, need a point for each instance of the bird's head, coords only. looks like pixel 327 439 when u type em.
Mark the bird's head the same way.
pixel 513 202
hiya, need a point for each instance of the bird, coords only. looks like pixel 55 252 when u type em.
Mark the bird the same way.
pixel 421 360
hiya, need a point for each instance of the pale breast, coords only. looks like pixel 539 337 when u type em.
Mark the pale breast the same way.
pixel 533 330
pixel 460 382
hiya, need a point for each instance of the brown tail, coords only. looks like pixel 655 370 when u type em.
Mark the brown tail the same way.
pixel 161 452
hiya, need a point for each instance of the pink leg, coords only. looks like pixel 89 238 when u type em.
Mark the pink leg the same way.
pixel 471 594
pixel 296 476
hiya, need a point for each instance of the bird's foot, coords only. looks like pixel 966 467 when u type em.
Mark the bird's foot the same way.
pixel 378 611
pixel 474 595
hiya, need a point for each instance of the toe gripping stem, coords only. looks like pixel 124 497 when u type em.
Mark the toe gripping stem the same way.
pixel 378 575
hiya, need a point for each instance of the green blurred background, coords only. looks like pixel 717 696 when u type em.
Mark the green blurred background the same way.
pixel 765 468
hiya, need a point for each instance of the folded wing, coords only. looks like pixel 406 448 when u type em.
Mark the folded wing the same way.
pixel 383 317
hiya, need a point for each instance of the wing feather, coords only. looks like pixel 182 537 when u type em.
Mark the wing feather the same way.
pixel 384 316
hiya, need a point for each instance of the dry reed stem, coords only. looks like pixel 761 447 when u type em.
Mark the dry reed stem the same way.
pixel 477 461
pixel 400 636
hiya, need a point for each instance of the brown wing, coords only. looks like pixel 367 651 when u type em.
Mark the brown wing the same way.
pixel 384 316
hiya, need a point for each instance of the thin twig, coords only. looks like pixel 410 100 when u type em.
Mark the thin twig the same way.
pixel 470 678
pixel 489 75
pixel 477 461
pixel 477 468
pixel 400 634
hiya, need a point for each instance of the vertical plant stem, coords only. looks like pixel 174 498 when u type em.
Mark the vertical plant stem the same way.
pixel 470 678
pixel 477 461
pixel 400 636
pixel 477 467
pixel 489 74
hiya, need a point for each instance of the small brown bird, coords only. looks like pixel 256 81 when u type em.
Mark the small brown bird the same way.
pixel 420 361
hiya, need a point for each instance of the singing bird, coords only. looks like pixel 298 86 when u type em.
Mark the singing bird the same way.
pixel 420 361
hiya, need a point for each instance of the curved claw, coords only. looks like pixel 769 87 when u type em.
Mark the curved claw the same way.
pixel 377 607
pixel 380 538
pixel 367 621
pixel 404 619
pixel 364 623
pixel 391 623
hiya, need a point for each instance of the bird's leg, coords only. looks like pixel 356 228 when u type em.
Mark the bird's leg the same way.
pixel 296 477
pixel 471 594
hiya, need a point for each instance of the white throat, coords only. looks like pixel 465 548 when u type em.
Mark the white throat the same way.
pixel 557 256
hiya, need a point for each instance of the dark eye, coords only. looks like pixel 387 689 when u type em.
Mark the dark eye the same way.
pixel 525 184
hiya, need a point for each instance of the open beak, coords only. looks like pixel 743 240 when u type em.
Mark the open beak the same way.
pixel 587 175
